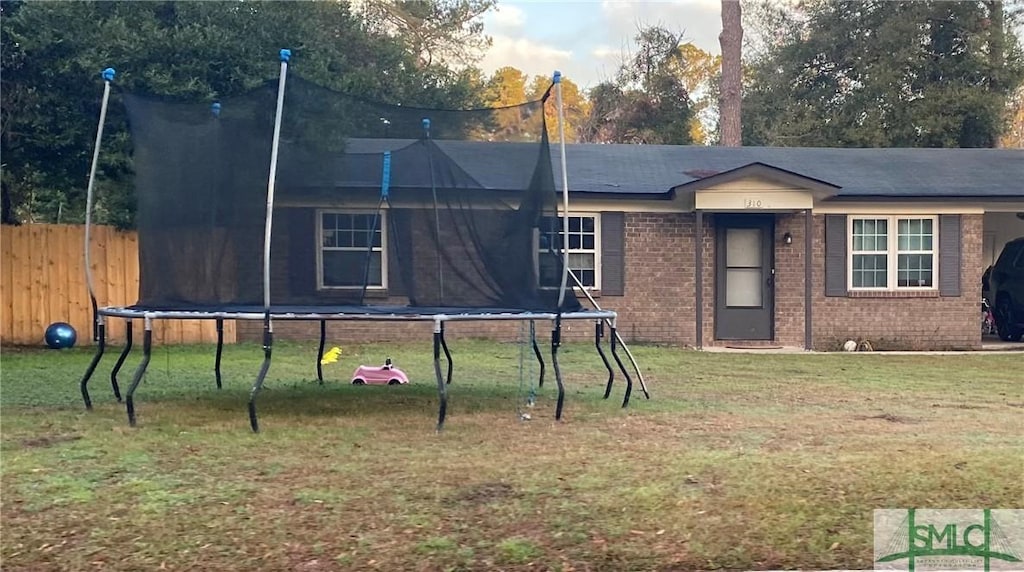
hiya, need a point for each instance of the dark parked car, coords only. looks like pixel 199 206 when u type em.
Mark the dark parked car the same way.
pixel 1007 286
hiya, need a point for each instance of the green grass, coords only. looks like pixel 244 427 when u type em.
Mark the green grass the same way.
pixel 740 461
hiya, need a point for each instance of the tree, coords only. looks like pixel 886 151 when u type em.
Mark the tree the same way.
pixel 1013 137
pixel 647 102
pixel 435 31
pixel 701 73
pixel 505 90
pixel 53 52
pixel 879 74
pixel 575 107
pixel 731 97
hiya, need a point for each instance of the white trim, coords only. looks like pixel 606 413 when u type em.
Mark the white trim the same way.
pixel 892 252
pixel 383 223
pixel 596 251
pixel 630 205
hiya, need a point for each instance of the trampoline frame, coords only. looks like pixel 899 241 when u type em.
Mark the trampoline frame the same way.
pixel 439 345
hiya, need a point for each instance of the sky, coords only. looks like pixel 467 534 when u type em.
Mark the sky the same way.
pixel 586 39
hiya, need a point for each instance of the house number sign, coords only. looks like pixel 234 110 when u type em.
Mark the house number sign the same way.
pixel 754 203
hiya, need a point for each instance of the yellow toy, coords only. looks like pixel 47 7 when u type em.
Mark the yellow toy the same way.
pixel 330 356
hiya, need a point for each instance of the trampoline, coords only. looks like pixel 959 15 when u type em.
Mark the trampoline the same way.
pixel 385 212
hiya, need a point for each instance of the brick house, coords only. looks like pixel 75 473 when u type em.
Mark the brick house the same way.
pixel 799 247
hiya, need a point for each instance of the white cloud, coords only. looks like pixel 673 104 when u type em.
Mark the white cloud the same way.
pixel 533 58
pixel 700 21
pixel 506 18
pixel 587 39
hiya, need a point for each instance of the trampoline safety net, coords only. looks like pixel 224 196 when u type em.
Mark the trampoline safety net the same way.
pixel 374 204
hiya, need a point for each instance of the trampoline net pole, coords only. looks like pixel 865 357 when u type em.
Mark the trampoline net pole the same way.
pixel 268 231
pixel 108 76
pixel 565 192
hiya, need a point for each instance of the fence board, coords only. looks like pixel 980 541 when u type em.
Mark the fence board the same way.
pixel 37 273
pixel 60 305
pixel 6 285
pixel 78 292
pixel 43 281
pixel 22 286
pixel 131 276
pixel 113 270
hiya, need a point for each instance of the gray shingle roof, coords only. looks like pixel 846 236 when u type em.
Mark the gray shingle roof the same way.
pixel 657 169
pixel 997 173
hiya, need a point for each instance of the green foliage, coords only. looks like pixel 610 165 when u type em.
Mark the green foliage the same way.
pixel 881 73
pixel 441 31
pixel 53 53
pixel 648 101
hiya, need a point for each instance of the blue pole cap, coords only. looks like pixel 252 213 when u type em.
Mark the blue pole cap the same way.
pixel 558 77
pixel 285 55
pixel 215 109
pixel 108 74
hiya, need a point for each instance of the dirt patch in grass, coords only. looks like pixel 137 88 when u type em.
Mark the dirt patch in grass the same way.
pixel 48 440
pixel 485 493
pixel 890 417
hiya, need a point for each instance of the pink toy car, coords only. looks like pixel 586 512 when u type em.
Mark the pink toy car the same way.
pixel 386 374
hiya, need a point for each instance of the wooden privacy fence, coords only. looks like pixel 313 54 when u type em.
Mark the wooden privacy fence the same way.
pixel 42 280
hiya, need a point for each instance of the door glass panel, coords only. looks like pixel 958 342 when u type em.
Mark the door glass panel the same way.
pixel 743 287
pixel 743 247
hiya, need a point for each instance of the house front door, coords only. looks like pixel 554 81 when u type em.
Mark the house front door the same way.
pixel 744 277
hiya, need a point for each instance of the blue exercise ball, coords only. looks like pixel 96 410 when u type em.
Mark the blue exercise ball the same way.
pixel 60 335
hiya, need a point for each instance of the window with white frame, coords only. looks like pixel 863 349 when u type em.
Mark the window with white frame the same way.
pixel 584 248
pixel 892 252
pixel 351 249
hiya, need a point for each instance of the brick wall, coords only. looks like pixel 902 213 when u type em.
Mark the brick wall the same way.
pixel 659 301
pixel 903 320
pixel 658 305
pixel 789 280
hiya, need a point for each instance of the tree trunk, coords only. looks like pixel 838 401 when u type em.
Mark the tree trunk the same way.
pixel 6 208
pixel 730 97
pixel 996 44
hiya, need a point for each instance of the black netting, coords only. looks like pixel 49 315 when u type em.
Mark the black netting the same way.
pixel 375 204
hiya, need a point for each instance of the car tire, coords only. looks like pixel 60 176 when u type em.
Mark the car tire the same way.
pixel 1006 322
pixel 358 381
pixel 394 382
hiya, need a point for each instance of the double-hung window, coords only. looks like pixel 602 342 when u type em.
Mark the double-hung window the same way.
pixel 351 249
pixel 583 255
pixel 893 252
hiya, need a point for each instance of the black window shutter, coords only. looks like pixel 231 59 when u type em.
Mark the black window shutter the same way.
pixel 398 257
pixel 835 255
pixel 302 255
pixel 949 255
pixel 613 254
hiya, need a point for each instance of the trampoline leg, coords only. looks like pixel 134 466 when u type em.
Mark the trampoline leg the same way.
pixel 220 351
pixel 120 359
pixel 536 352
pixel 320 352
pixel 268 342
pixel 442 390
pixel 622 368
pixel 447 355
pixel 556 340
pixel 101 344
pixel 147 348
pixel 598 334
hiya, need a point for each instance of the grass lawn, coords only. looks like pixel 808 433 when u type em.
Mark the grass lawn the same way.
pixel 738 462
